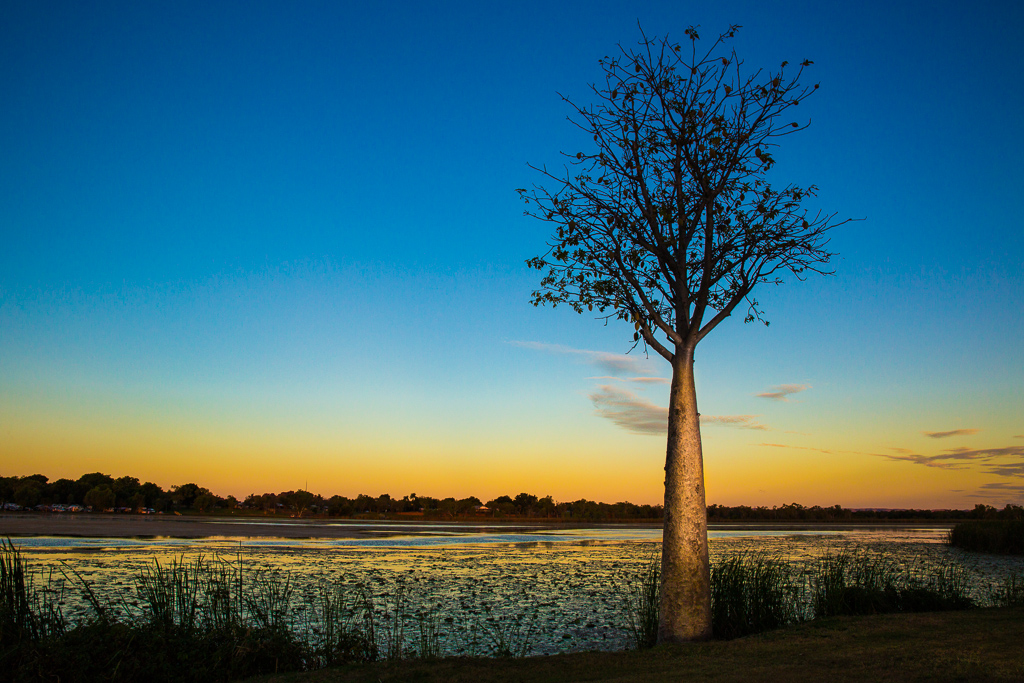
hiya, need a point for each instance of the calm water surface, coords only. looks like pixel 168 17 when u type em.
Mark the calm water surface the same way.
pixel 569 582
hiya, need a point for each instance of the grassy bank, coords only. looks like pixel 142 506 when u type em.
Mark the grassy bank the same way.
pixel 1003 536
pixel 977 645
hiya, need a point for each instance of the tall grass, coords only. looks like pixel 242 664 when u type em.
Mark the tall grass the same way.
pixel 752 593
pixel 1009 593
pixel 194 620
pixel 340 631
pixel 28 612
pixel 756 592
pixel 429 637
pixel 989 536
pixel 509 635
pixel 642 601
pixel 171 593
pixel 393 622
pixel 846 584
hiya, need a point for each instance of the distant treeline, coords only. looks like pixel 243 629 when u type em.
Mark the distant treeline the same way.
pixel 101 492
pixel 798 513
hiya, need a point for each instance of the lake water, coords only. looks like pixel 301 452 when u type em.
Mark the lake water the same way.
pixel 567 584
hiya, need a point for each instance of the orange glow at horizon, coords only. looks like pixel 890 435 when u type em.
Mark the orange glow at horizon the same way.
pixel 605 469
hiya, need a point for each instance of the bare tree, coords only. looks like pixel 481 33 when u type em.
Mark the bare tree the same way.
pixel 668 224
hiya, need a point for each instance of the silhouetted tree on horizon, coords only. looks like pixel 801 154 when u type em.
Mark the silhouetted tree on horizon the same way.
pixel 668 224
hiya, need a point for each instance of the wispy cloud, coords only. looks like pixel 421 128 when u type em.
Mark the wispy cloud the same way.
pixel 613 363
pixel 983 453
pixel 952 432
pixel 1003 486
pixel 799 448
pixel 998 489
pixel 738 421
pixel 905 455
pixel 629 411
pixel 958 458
pixel 637 414
pixel 1013 469
pixel 783 391
pixel 635 380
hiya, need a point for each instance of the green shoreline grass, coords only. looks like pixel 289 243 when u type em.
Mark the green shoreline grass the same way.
pixel 974 645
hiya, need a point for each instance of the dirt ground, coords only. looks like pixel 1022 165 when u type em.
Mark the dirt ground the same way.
pixel 126 526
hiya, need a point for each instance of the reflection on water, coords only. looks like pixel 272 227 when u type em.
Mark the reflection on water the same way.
pixel 386 535
pixel 570 581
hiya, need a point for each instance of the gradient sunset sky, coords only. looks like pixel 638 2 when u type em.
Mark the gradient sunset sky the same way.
pixel 254 245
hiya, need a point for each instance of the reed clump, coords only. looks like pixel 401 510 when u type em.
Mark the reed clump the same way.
pixel 750 593
pixel 753 593
pixel 757 592
pixel 847 584
pixel 1009 593
pixel 642 599
pixel 1002 536
pixel 192 621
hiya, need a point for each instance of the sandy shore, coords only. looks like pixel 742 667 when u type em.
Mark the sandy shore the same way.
pixel 174 526
pixel 185 526
pixel 127 526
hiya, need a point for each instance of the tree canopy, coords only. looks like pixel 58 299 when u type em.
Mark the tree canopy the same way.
pixel 670 221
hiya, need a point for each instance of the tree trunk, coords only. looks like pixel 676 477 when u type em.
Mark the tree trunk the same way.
pixel 685 611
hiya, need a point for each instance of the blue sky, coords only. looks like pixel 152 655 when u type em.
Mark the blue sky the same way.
pixel 244 241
